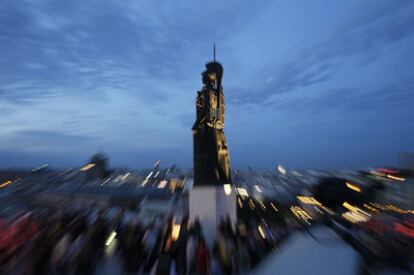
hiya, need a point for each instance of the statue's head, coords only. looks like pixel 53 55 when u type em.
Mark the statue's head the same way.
pixel 213 73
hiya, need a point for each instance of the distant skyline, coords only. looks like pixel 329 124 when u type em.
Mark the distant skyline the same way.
pixel 308 84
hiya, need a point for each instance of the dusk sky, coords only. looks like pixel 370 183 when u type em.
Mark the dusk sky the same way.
pixel 308 84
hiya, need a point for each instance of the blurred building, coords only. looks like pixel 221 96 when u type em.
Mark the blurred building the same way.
pixel 97 168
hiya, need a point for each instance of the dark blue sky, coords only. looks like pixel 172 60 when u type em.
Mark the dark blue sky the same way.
pixel 309 84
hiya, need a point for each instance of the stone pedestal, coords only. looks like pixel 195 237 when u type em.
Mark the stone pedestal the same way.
pixel 210 204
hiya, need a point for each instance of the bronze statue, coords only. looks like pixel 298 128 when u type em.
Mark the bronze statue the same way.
pixel 211 156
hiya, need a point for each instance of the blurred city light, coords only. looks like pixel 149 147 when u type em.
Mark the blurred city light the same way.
pixel 352 186
pixel 227 189
pixel 281 169
pixel 87 167
pixel 242 192
pixel 110 238
pixel 4 184
pixel 175 233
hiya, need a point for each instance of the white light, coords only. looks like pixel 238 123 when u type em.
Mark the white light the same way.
pixel 355 217
pixel 162 184
pixel 149 175
pixel 395 178
pixel 87 167
pixel 110 238
pixel 40 167
pixel 125 176
pixel 227 189
pixel 281 169
pixel 108 179
pixel 242 192
pixel 258 188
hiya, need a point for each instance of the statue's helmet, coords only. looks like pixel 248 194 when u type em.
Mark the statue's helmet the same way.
pixel 214 71
pixel 215 67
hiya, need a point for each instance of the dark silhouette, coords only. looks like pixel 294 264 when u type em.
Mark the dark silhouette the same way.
pixel 211 156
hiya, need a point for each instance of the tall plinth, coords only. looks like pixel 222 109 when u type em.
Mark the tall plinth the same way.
pixel 212 197
pixel 210 205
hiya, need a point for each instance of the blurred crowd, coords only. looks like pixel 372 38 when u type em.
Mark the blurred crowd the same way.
pixel 77 242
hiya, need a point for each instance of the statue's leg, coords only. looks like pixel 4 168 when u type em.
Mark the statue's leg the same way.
pixel 213 165
pixel 223 161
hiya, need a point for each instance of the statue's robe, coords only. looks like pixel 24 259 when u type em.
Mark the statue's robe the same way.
pixel 211 156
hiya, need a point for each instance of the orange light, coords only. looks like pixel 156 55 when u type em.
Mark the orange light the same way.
pixel 261 231
pixel 251 203
pixel 175 232
pixel 349 207
pixel 308 200
pixel 354 187
pixel 87 167
pixel 4 184
pixel 274 207
pixel 240 202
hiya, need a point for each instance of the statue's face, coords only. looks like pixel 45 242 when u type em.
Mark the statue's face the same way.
pixel 212 76
pixel 209 78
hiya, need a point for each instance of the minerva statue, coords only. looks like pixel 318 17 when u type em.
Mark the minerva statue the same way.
pixel 211 156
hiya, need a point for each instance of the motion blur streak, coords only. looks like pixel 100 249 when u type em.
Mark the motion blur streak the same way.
pixel 353 187
pixel 4 184
pixel 87 167
pixel 89 227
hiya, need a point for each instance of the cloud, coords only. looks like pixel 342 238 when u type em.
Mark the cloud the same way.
pixel 388 99
pixel 364 37
pixel 124 75
pixel 45 141
pixel 141 48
